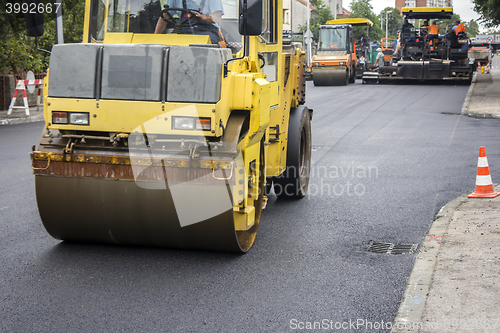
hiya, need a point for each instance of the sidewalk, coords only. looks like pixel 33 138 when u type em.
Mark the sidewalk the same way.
pixel 483 98
pixel 19 116
pixel 455 284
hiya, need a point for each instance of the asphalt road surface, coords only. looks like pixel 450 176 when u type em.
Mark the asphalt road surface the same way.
pixel 386 159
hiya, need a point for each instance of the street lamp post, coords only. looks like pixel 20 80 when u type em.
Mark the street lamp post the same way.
pixel 386 22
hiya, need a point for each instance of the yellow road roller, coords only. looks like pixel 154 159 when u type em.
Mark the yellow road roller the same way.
pixel 168 139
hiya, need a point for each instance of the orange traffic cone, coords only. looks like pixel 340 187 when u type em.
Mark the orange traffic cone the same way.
pixel 484 185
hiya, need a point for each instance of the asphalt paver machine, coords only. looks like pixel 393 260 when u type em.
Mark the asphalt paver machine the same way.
pixel 422 56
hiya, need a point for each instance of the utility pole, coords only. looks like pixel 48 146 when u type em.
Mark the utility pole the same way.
pixel 386 22
pixel 59 23
pixel 308 36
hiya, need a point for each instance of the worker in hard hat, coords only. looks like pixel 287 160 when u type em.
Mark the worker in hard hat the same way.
pixel 458 28
pixel 379 61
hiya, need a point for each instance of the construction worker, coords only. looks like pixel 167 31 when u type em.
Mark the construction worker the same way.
pixel 424 29
pixel 407 31
pixel 433 34
pixel 379 61
pixel 458 28
pixel 205 17
pixel 433 29
pixel 407 26
pixel 335 41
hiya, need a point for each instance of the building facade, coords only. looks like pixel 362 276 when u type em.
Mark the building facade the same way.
pixel 295 12
pixel 423 3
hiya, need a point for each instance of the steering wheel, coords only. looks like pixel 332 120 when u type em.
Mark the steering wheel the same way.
pixel 174 22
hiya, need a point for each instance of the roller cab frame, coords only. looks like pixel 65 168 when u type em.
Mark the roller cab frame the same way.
pixel 166 139
pixel 440 57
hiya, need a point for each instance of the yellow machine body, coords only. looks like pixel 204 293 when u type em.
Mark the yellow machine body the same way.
pixel 119 170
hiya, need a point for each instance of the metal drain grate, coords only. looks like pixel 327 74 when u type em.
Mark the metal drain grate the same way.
pixel 391 248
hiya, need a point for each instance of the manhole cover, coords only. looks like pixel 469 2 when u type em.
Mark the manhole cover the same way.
pixel 391 248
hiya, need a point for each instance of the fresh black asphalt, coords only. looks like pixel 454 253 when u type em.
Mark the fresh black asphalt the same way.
pixel 386 158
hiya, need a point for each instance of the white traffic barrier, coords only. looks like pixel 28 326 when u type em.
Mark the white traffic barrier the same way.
pixel 21 85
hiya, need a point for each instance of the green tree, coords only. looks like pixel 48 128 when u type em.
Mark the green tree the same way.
pixel 364 9
pixel 18 52
pixel 472 28
pixel 492 31
pixel 394 21
pixel 489 11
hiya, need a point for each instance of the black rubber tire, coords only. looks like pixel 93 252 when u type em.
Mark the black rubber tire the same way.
pixel 294 181
pixel 352 78
pixel 347 78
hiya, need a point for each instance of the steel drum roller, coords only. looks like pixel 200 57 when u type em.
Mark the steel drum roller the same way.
pixel 97 198
pixel 330 77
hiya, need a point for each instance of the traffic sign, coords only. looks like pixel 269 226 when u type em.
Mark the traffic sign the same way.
pixel 489 39
pixel 30 76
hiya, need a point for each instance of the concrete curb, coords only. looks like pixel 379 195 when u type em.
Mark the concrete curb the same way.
pixel 20 117
pixel 409 316
pixel 465 106
pixel 15 121
pixel 482 115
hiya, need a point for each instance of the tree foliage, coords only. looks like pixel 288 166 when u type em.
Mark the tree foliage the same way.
pixel 18 52
pixel 364 9
pixel 394 21
pixel 489 11
pixel 472 28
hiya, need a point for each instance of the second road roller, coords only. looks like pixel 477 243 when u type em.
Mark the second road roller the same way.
pixel 164 137
pixel 335 61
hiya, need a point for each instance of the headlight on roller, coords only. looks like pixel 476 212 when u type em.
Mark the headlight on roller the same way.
pixel 183 123
pixel 191 123
pixel 78 118
pixel 73 118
